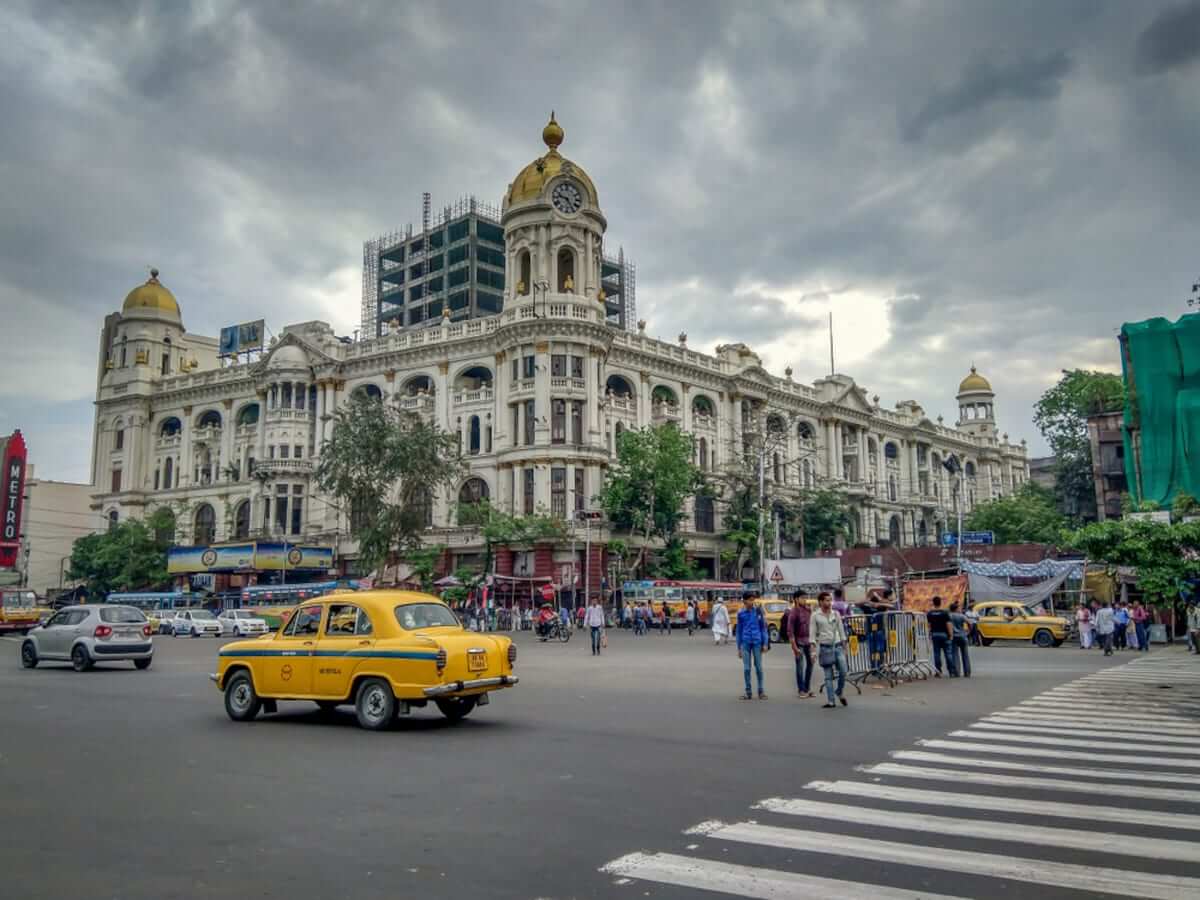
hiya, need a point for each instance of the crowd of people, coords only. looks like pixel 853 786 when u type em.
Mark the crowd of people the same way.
pixel 1112 626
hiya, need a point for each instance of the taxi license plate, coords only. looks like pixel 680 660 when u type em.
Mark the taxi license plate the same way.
pixel 476 662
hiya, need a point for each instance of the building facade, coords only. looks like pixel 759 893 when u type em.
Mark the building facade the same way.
pixel 538 394
pixel 56 514
pixel 1107 439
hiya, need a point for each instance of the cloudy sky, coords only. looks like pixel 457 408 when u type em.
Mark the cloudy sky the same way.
pixel 1001 183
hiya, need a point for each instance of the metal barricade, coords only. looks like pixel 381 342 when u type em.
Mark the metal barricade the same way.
pixel 905 631
pixel 922 645
pixel 861 663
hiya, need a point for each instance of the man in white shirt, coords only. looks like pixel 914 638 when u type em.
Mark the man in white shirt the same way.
pixel 1105 625
pixel 595 621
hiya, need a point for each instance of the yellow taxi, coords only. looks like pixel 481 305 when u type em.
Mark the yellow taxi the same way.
pixel 383 651
pixel 773 609
pixel 1008 621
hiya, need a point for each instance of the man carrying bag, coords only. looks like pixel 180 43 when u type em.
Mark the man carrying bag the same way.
pixel 829 634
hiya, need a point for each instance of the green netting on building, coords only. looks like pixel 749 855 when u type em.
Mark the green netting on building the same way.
pixel 1161 360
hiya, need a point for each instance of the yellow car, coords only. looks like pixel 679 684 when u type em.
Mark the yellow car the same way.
pixel 1008 621
pixel 773 610
pixel 382 651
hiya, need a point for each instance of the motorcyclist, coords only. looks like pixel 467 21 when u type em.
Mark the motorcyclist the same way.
pixel 545 617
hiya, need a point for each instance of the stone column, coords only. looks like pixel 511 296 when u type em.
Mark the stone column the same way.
pixel 228 432
pixel 501 415
pixel 644 401
pixel 913 479
pixel 260 438
pixel 541 394
pixel 685 406
pixel 591 389
pixel 133 454
pixel 184 475
pixel 880 466
pixel 736 426
pixel 319 423
pixel 442 386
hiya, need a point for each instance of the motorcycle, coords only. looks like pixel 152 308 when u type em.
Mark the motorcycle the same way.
pixel 554 629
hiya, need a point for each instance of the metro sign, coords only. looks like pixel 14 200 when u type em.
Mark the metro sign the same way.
pixel 12 495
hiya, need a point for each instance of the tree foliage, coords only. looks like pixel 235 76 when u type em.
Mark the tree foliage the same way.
pixel 499 528
pixel 817 518
pixel 1061 416
pixel 130 556
pixel 1165 556
pixel 1030 515
pixel 386 465
pixel 650 481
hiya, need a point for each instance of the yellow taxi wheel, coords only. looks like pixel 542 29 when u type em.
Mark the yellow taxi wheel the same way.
pixel 457 708
pixel 241 701
pixel 375 704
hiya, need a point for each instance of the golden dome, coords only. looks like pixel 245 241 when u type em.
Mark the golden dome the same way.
pixel 150 295
pixel 533 178
pixel 974 382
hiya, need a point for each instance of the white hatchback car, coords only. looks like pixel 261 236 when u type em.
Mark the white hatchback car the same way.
pixel 195 623
pixel 242 623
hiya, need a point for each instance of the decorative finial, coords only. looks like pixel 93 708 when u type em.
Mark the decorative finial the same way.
pixel 552 134
pixel 445 312
pixel 683 338
pixel 154 274
pixel 940 419
pixel 973 369
pixel 642 325
pixel 876 399
pixel 788 373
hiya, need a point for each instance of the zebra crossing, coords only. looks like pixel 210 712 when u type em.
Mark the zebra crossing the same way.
pixel 1050 795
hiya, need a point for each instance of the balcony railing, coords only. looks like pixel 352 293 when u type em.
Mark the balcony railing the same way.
pixel 284 466
pixel 479 395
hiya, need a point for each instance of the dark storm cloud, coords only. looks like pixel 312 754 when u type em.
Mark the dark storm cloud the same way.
pixel 983 83
pixel 1035 194
pixel 1171 41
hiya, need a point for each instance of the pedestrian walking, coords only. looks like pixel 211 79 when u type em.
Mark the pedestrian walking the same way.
pixel 665 621
pixel 1193 627
pixel 1104 627
pixel 829 634
pixel 960 640
pixel 752 641
pixel 720 623
pixel 973 621
pixel 690 614
pixel 941 634
pixel 799 635
pixel 1141 625
pixel 1083 620
pixel 1120 626
pixel 594 619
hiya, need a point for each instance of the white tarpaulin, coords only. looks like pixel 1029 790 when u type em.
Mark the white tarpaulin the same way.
pixel 801 572
pixel 985 587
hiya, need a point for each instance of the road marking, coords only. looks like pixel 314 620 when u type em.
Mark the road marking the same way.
pixel 1135 703
pixel 1049 784
pixel 1081 732
pixel 1120 814
pixel 748 881
pixel 1062 754
pixel 1150 720
pixel 1124 774
pixel 1085 721
pixel 1084 878
pixel 1072 742
pixel 1043 835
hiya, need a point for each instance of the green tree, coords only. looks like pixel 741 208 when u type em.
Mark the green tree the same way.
pixel 817 518
pixel 130 556
pixel 386 465
pixel 1163 555
pixel 649 482
pixel 503 529
pixel 424 560
pixel 1030 515
pixel 1061 416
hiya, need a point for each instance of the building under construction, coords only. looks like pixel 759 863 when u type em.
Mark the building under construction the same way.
pixel 456 261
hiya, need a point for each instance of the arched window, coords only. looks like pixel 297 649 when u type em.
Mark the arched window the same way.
pixel 170 427
pixel 566 271
pixel 775 425
pixel 617 432
pixel 619 386
pixel 422 508
pixel 894 530
pixel 969 468
pixel 285 395
pixel 112 518
pixel 890 450
pixel 805 432
pixel 473 492
pixel 777 469
pixel 206 525
pixel 526 269
pixel 922 533
pixel 702 406
pixel 157 475
pixel 168 472
pixel 368 392
pixel 209 419
pixel 241 520
pixel 705 518
pixel 663 394
pixel 165 532
pixel 702 444
pixel 166 357
pixel 473 438
pixel 248 414
pixel 418 384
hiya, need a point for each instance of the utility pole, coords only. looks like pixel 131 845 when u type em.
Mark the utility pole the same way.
pixel 762 499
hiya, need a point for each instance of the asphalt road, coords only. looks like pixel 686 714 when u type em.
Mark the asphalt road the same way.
pixel 125 784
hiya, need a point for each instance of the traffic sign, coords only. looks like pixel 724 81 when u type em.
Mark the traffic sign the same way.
pixel 777 575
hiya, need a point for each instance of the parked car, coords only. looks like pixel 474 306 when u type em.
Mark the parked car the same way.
pixel 382 651
pixel 195 623
pixel 241 622
pixel 91 633
pixel 1007 620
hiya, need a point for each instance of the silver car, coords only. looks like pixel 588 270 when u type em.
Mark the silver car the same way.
pixel 196 623
pixel 86 635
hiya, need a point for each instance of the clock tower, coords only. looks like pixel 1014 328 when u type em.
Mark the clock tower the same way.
pixel 553 227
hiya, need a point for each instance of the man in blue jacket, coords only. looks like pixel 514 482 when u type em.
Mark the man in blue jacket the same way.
pixel 752 639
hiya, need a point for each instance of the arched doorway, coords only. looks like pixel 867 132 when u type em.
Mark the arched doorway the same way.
pixel 894 531
pixel 241 520
pixel 205 530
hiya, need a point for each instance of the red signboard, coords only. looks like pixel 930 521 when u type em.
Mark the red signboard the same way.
pixel 12 493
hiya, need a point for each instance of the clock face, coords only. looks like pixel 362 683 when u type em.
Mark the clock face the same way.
pixel 566 198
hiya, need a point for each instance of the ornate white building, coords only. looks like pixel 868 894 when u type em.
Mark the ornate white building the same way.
pixel 538 394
